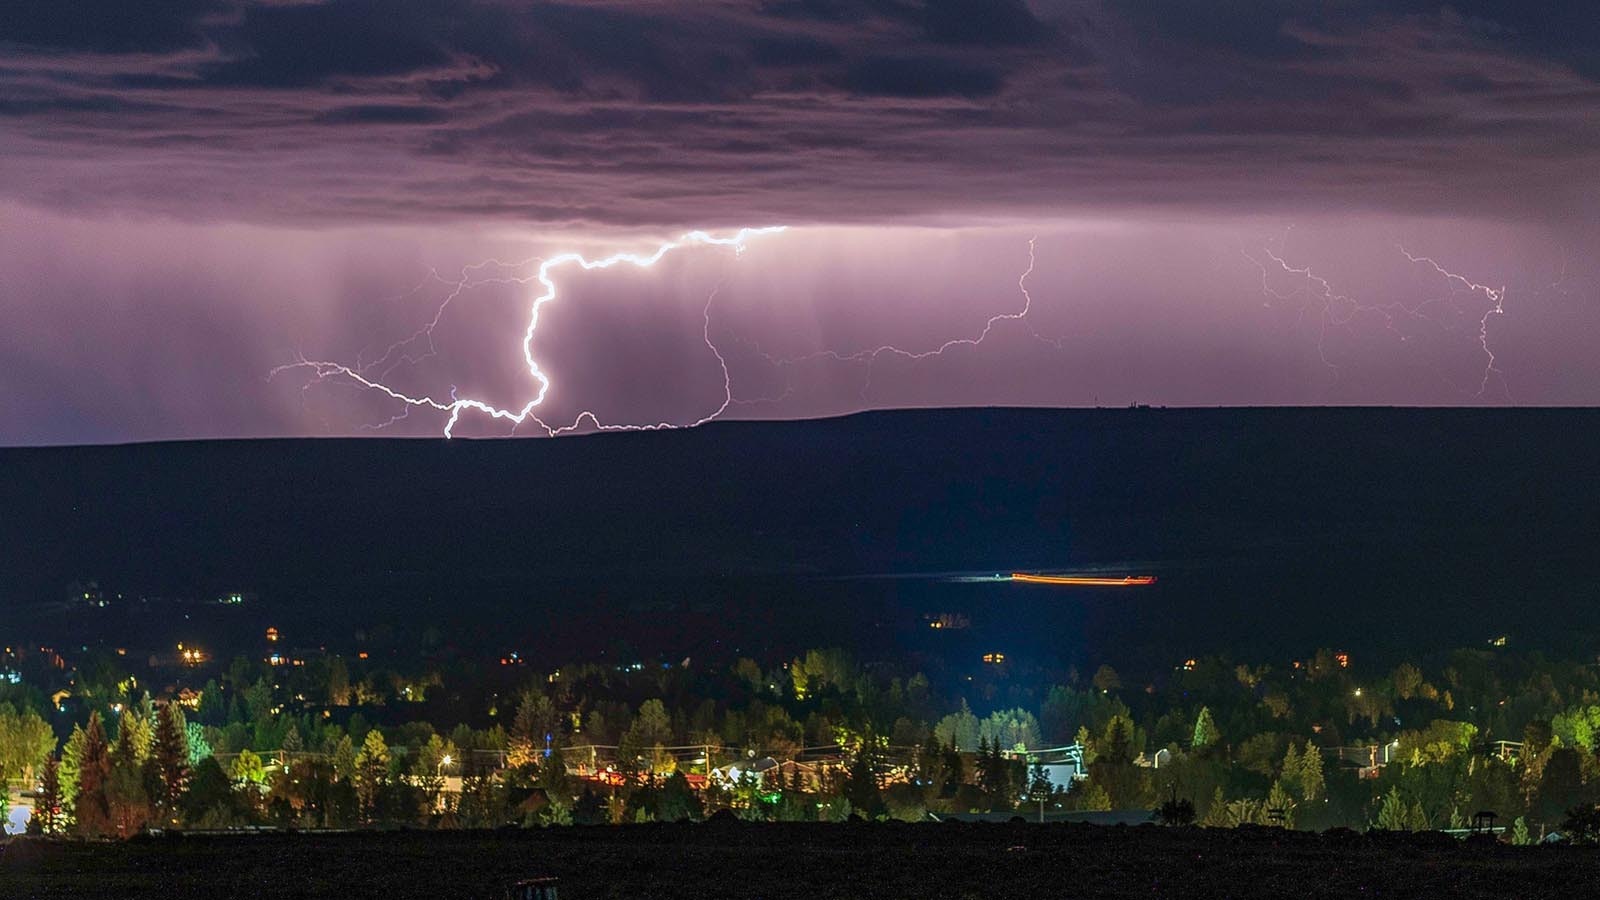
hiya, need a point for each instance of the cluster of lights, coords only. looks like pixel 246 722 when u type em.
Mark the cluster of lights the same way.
pixel 191 656
pixel 994 658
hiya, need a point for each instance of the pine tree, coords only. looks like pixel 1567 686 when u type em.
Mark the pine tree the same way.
pixel 47 808
pixel 135 730
pixel 292 742
pixel 169 761
pixel 71 757
pixel 344 759
pixel 1290 773
pixel 955 773
pixel 194 737
pixel 213 708
pixel 92 810
pixel 1278 798
pixel 1312 786
pixel 1206 734
pixel 861 785
pixel 1394 814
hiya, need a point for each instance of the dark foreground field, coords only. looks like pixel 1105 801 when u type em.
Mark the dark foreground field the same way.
pixel 801 861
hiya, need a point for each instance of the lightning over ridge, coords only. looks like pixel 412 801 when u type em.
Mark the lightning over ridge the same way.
pixel 1335 309
pixel 419 345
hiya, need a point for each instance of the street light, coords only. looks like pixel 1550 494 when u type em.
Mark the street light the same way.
pixel 438 770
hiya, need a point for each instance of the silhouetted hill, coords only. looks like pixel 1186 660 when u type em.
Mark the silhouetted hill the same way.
pixel 1425 521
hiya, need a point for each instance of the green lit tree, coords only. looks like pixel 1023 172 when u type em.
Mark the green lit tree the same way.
pixel 25 741
pixel 372 771
pixel 1206 733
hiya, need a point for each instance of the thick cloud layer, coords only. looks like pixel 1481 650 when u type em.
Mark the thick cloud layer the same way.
pixel 655 112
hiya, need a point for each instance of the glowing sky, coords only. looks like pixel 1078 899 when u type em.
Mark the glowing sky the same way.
pixel 1222 197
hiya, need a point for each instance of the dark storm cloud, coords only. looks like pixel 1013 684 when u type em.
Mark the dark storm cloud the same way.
pixel 385 114
pixel 922 76
pixel 106 26
pixel 716 112
pixel 309 43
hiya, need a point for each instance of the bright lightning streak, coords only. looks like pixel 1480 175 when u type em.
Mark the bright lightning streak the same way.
pixel 323 370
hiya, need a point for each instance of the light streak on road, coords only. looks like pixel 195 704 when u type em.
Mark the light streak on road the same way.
pixel 1084 580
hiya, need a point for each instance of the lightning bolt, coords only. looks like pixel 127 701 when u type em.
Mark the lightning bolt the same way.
pixel 1498 308
pixel 1337 310
pixel 323 370
pixel 419 345
pixel 870 356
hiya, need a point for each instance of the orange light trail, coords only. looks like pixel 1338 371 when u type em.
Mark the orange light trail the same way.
pixel 1084 580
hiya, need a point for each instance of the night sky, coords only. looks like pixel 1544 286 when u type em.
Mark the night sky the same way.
pixel 1230 203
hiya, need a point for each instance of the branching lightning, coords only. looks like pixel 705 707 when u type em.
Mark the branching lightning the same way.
pixel 1496 297
pixel 1335 309
pixel 455 406
pixel 419 345
pixel 869 356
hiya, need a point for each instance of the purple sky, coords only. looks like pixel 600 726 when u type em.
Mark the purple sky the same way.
pixel 1222 197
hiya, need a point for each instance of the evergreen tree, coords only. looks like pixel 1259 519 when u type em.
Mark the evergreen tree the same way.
pixel 861 783
pixel 1279 798
pixel 954 772
pixel 1206 734
pixel 92 810
pixel 1289 774
pixel 1312 786
pixel 344 759
pixel 47 807
pixel 194 737
pixel 135 731
pixel 983 764
pixel 996 778
pixel 677 801
pixel 210 799
pixel 126 796
pixel 292 741
pixel 71 760
pixel 1394 814
pixel 213 709
pixel 169 762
